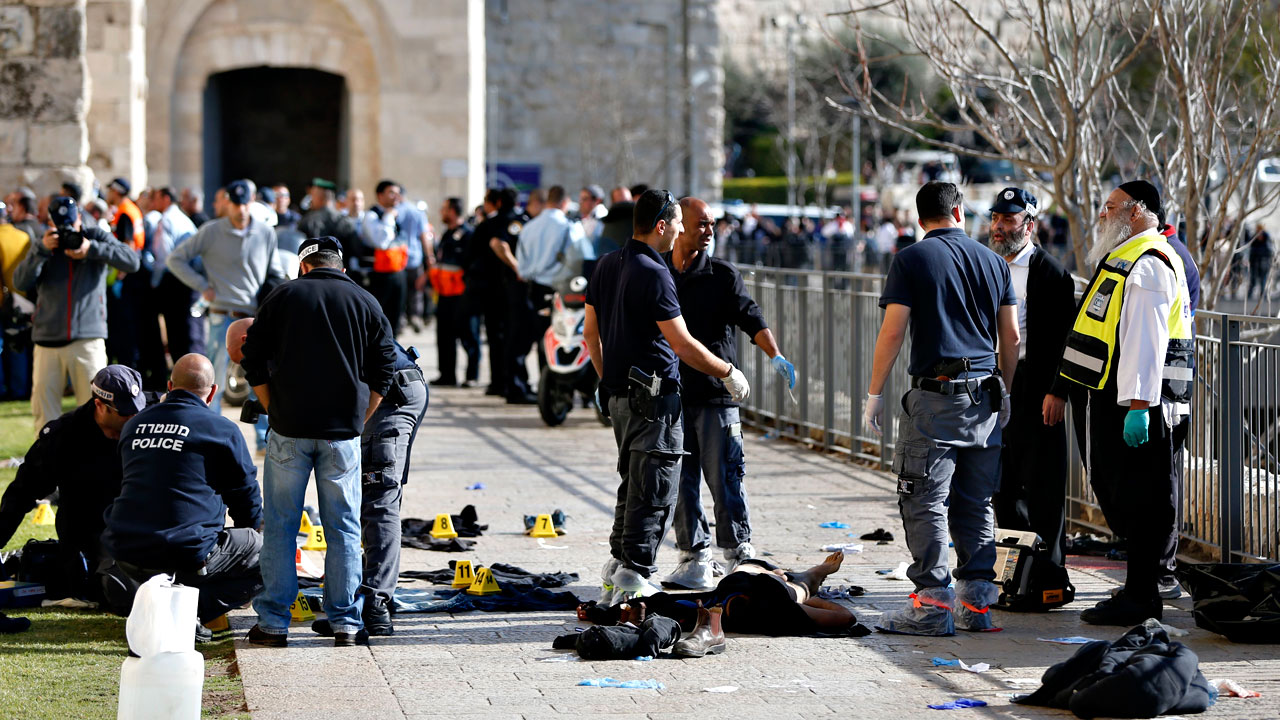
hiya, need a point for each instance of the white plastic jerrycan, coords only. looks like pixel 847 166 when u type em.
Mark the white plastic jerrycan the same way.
pixel 166 681
pixel 166 686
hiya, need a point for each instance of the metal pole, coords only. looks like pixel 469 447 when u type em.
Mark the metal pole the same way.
pixel 1231 447
pixel 791 120
pixel 857 178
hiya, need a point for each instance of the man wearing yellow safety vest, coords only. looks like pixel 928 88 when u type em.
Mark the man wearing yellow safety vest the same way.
pixel 1132 345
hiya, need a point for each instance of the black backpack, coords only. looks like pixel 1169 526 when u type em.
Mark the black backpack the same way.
pixel 1028 581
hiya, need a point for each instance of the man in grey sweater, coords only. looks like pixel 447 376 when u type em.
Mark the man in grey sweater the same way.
pixel 238 254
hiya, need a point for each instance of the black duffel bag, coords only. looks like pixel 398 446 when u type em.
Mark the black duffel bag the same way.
pixel 1238 600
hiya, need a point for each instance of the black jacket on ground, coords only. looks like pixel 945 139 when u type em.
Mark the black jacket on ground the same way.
pixel 321 344
pixel 1141 675
pixel 181 462
pixel 72 456
pixel 715 304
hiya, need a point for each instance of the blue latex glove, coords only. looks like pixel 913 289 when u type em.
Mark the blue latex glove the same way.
pixel 783 367
pixel 1136 424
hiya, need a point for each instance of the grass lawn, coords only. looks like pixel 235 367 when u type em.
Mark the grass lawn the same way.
pixel 68 664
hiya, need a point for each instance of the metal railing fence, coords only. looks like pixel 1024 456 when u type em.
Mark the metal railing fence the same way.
pixel 827 323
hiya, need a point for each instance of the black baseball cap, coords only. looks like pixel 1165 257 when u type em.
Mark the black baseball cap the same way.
pixel 238 192
pixel 120 386
pixel 63 211
pixel 1015 200
pixel 317 244
pixel 120 185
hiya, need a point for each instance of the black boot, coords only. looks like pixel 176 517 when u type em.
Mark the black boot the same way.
pixel 377 616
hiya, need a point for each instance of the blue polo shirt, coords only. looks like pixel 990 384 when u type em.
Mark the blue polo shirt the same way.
pixel 632 291
pixel 954 287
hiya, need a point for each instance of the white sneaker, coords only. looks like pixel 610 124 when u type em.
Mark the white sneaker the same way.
pixel 628 584
pixel 695 571
pixel 735 555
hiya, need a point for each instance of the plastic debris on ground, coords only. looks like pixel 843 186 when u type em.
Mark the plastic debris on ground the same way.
pixel 1231 688
pixel 721 689
pixel 959 704
pixel 642 658
pixel 475 486
pixel 1020 682
pixel 898 573
pixel 974 668
pixel 841 592
pixel 835 525
pixel 567 657
pixel 1073 640
pixel 625 684
pixel 72 603
pixel 1154 624
pixel 849 548
pixel 542 543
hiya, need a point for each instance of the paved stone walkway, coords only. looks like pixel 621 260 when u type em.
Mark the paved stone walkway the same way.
pixel 501 665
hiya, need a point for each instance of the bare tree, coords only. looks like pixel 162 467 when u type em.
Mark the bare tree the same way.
pixel 1027 77
pixel 1212 112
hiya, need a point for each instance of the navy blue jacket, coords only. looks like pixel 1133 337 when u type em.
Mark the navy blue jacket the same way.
pixel 184 467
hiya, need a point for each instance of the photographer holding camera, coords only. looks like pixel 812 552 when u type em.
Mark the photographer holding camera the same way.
pixel 69 328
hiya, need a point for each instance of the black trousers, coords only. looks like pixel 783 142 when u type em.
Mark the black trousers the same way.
pixel 186 333
pixel 390 290
pixel 1137 489
pixel 455 323
pixel 493 303
pixel 231 576
pixel 520 320
pixel 1033 470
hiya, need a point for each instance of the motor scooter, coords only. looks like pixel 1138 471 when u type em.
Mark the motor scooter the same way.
pixel 568 372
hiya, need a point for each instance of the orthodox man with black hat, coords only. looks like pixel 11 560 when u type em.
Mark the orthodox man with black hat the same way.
pixel 1131 346
pixel 1033 459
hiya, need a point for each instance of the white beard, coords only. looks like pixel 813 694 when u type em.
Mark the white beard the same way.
pixel 1111 235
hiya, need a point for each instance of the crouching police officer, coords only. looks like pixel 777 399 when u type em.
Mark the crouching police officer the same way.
pixel 75 455
pixel 185 466
pixel 637 338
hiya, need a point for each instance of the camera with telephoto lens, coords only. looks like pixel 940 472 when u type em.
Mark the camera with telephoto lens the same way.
pixel 69 238
pixel 251 410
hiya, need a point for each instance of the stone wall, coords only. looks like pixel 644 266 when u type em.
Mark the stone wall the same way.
pixel 596 92
pixel 42 94
pixel 116 119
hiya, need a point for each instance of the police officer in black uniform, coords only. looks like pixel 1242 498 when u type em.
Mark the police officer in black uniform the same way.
pixel 487 286
pixel 75 455
pixel 637 339
pixel 185 466
pixel 456 320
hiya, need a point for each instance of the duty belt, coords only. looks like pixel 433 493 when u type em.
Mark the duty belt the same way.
pixel 947 387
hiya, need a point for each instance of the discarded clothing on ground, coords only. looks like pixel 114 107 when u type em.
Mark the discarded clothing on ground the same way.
pixel 455 601
pixel 464 523
pixel 426 542
pixel 1141 675
pixel 1092 545
pixel 622 642
pixel 880 535
pixel 508 576
pixel 1238 600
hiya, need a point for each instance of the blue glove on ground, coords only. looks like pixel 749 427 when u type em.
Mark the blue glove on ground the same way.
pixel 783 367
pixel 1136 424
